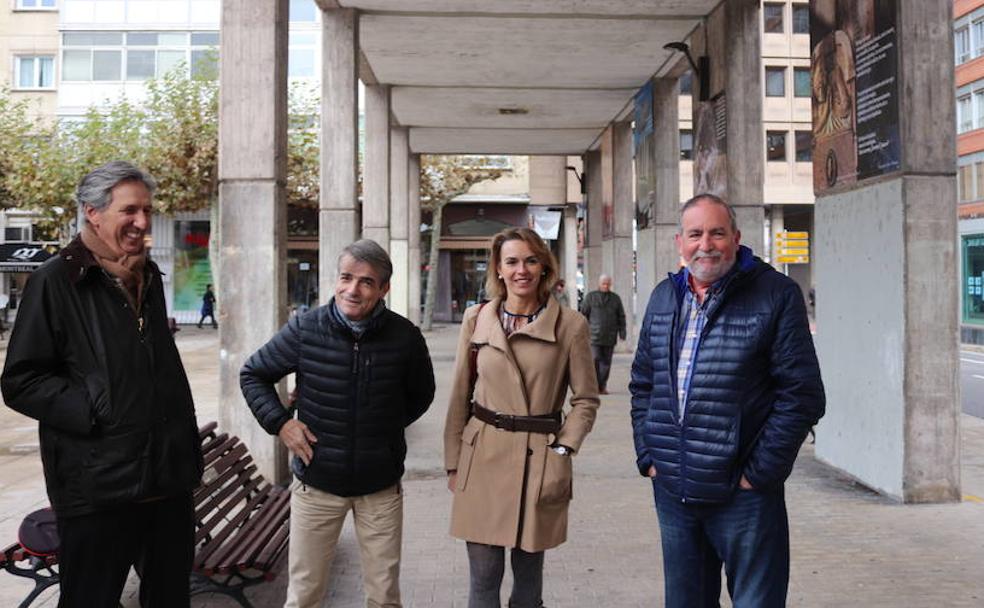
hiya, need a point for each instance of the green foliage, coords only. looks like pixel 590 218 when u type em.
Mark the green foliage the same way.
pixel 173 134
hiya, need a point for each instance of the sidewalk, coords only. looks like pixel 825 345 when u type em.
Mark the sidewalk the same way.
pixel 850 547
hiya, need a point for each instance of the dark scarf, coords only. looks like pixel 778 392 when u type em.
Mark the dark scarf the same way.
pixel 357 327
pixel 129 269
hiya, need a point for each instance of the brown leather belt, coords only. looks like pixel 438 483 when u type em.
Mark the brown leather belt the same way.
pixel 546 423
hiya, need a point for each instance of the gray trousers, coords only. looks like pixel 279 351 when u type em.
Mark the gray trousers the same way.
pixel 487 564
pixel 603 363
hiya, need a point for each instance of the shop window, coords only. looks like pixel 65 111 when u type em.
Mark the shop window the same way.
pixel 973 282
pixel 801 82
pixel 804 143
pixel 34 71
pixel 775 82
pixel 775 146
pixel 686 144
pixel 772 17
pixel 801 18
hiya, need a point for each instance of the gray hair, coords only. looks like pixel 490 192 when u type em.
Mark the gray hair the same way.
pixel 711 198
pixel 369 251
pixel 95 189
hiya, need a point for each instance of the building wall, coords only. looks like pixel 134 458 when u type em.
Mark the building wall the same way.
pixel 25 35
pixel 968 28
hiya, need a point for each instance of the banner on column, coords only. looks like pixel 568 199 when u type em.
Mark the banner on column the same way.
pixel 855 93
pixel 643 139
pixel 711 148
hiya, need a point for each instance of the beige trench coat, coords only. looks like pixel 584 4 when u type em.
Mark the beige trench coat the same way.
pixel 512 491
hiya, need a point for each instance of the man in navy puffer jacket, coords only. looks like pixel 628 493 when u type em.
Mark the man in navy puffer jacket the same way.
pixel 725 387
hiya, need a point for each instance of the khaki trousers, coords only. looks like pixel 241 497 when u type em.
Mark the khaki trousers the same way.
pixel 316 519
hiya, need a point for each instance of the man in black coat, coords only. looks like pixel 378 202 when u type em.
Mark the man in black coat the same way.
pixel 363 375
pixel 92 359
pixel 606 317
pixel 725 387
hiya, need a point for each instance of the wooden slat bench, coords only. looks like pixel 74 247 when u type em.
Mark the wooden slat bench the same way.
pixel 241 527
pixel 242 522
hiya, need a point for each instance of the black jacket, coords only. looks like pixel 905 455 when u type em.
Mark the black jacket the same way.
pixel 606 317
pixel 356 396
pixel 755 390
pixel 117 421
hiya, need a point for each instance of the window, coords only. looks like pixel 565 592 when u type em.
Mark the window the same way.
pixel 302 10
pixel 135 56
pixel 804 144
pixel 978 109
pixel 35 4
pixel 775 82
pixel 300 55
pixel 961 45
pixel 686 144
pixel 801 18
pixel 772 17
pixel 16 234
pixel 775 143
pixel 687 83
pixel 34 71
pixel 973 273
pixel 801 82
pixel 965 183
pixel 965 115
pixel 978 38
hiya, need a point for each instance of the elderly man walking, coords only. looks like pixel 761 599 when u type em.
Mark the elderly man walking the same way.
pixel 725 387
pixel 92 359
pixel 363 376
pixel 605 314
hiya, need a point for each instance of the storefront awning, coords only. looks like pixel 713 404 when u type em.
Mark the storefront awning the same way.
pixel 23 257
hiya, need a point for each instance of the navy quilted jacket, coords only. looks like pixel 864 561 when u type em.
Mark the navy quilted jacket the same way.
pixel 356 396
pixel 755 389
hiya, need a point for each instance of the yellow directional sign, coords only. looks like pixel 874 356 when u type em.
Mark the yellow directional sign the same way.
pixel 793 247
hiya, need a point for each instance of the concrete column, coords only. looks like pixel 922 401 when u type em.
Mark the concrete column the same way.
pixel 623 255
pixel 252 207
pixel 886 276
pixel 413 240
pixel 594 221
pixel 568 244
pixel 732 40
pixel 375 179
pixel 338 222
pixel 657 254
pixel 399 294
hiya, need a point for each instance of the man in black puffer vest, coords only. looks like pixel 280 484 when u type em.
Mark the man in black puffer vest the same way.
pixel 725 387
pixel 363 375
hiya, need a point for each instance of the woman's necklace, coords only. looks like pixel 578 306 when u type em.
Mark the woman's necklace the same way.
pixel 528 317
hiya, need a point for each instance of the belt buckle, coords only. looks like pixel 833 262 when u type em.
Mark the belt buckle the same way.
pixel 497 421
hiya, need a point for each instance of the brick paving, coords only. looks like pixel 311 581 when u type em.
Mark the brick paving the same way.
pixel 850 546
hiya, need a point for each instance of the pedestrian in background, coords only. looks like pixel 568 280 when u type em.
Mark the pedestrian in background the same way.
pixel 605 314
pixel 560 292
pixel 92 359
pixel 507 445
pixel 363 376
pixel 725 387
pixel 208 307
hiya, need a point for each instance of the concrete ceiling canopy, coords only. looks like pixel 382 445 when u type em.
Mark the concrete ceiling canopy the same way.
pixel 516 76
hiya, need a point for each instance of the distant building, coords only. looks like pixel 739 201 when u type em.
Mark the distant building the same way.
pixel 968 42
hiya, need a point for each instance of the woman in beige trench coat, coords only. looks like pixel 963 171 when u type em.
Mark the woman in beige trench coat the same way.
pixel 508 451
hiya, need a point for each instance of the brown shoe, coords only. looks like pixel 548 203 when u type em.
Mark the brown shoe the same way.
pixel 602 392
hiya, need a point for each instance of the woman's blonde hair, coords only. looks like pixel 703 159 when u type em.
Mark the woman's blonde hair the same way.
pixel 495 287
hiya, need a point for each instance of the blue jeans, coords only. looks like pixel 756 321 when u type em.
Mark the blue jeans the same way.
pixel 749 535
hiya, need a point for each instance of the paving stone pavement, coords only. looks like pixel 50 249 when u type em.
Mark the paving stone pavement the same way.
pixel 850 546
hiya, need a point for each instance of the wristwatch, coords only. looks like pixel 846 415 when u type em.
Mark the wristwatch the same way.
pixel 563 450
